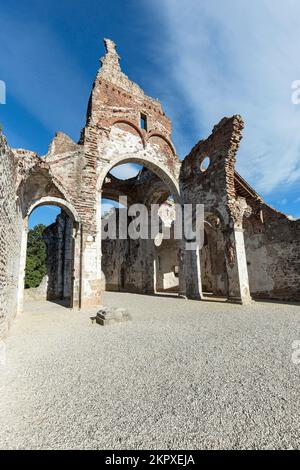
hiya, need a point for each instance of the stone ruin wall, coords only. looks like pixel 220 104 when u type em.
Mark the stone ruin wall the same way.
pixel 212 263
pixel 272 241
pixel 59 249
pixel 141 265
pixel 76 173
pixel 10 237
pixel 273 255
pixel 214 188
pixel 128 265
pixel 113 127
pixel 166 261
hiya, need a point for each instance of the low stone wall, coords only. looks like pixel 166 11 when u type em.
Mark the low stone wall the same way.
pixel 37 293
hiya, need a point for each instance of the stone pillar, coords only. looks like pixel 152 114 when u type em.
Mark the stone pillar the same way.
pixel 91 282
pixel 22 266
pixel 236 263
pixel 99 237
pixel 155 271
pixel 91 279
pixel 192 274
pixel 181 274
pixel 76 268
pixel 68 259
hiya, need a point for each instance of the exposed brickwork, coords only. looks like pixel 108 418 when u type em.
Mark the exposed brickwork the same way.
pixel 215 186
pixel 10 221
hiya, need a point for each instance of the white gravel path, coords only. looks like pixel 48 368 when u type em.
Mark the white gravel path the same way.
pixel 181 374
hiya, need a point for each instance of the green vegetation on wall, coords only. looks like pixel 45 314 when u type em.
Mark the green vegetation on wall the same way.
pixel 36 257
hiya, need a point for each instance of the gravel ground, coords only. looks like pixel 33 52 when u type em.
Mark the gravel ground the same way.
pixel 181 374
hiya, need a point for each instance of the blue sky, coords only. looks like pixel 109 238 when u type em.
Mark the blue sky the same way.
pixel 43 215
pixel 202 59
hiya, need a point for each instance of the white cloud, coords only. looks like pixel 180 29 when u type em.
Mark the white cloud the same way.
pixel 126 170
pixel 233 57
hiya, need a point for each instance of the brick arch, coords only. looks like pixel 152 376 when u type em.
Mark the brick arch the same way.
pixel 160 170
pixel 56 201
pixel 130 124
pixel 72 213
pixel 40 183
pixel 161 136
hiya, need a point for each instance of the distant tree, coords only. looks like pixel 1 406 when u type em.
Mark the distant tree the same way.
pixel 36 257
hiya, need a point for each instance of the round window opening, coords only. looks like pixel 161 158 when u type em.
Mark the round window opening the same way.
pixel 205 164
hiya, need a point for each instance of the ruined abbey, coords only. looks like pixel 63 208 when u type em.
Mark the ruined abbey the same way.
pixel 250 250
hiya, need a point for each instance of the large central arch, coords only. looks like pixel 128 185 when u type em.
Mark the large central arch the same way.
pixel 159 169
pixel 171 184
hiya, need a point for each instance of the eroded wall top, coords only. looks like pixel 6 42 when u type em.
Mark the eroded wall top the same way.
pixel 115 97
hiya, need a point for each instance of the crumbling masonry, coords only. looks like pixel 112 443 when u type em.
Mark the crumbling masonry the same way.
pixel 250 250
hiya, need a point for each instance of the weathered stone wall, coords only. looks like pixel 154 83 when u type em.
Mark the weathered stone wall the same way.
pixel 75 175
pixel 59 245
pixel 128 265
pixel 212 262
pixel 66 176
pixel 113 131
pixel 138 266
pixel 214 187
pixel 141 265
pixel 10 237
pixel 166 263
pixel 114 97
pixel 273 255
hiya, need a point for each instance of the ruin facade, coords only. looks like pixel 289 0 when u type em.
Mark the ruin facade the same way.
pixel 250 250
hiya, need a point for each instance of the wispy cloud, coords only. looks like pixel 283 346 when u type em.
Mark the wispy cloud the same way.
pixel 228 57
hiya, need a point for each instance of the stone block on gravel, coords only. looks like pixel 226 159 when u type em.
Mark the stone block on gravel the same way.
pixel 109 315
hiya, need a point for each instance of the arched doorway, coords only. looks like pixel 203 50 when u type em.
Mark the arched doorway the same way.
pixel 61 282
